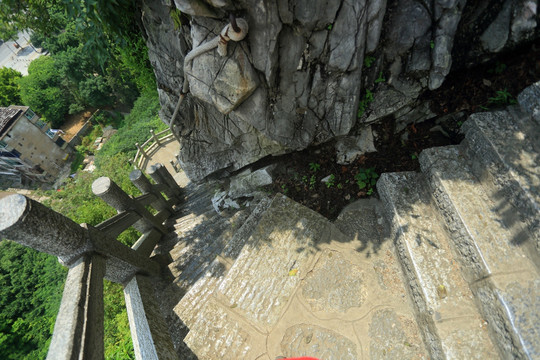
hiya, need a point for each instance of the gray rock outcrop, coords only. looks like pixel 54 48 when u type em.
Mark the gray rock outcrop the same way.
pixel 299 76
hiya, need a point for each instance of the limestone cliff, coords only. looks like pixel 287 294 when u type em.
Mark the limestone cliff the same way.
pixel 299 76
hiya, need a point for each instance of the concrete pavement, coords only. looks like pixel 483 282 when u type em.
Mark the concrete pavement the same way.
pixel 18 58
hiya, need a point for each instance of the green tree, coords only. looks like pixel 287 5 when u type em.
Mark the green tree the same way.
pixel 41 16
pixel 30 293
pixel 135 128
pixel 10 93
pixel 95 91
pixel 42 90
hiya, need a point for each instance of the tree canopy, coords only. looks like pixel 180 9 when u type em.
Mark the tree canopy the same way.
pixel 97 55
pixel 97 58
pixel 30 292
pixel 43 91
pixel 10 93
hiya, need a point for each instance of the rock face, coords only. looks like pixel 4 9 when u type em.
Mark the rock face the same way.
pixel 300 75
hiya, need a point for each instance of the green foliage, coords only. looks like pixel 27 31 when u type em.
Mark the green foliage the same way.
pixel 42 90
pixel 380 79
pixel 432 44
pixel 10 93
pixel 133 62
pixel 176 18
pixel 314 167
pixel 135 128
pixel 38 15
pixel 312 182
pixel 117 344
pixel 75 108
pixel 502 98
pixel 331 181
pixel 498 69
pixel 102 23
pixel 95 91
pixel 364 103
pixel 99 55
pixel 76 164
pixel 30 293
pixel 368 61
pixel 329 27
pixel 366 179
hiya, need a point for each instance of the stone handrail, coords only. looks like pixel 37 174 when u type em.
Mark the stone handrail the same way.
pixel 92 254
pixel 153 143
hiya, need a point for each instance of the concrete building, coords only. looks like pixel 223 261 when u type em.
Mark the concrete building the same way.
pixel 28 147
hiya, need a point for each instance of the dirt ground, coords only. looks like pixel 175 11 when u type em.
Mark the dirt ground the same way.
pixel 485 87
pixel 74 123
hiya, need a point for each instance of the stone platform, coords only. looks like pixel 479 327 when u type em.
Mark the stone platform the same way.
pixel 444 265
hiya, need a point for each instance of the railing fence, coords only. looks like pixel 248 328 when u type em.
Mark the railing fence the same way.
pixel 92 254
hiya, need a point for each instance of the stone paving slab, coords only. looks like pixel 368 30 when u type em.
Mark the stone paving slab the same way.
pixel 301 287
pixel 201 246
pixel 506 145
pixel 450 321
pixel 197 296
pixel 163 155
pixel 498 255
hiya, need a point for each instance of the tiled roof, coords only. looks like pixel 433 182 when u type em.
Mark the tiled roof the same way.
pixel 6 115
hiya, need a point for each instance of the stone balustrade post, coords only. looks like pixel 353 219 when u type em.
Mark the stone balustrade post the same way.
pixel 160 175
pixel 143 184
pixel 141 150
pixel 78 331
pixel 151 338
pixel 32 224
pixel 112 194
pixel 156 139
pixel 93 256
pixel 173 164
pixel 169 179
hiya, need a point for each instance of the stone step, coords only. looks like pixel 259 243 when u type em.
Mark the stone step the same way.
pixel 505 150
pixel 200 246
pixel 493 252
pixel 195 299
pixel 183 231
pixel 195 208
pixel 529 101
pixel 284 240
pixel 198 198
pixel 301 287
pixel 445 310
pixel 365 227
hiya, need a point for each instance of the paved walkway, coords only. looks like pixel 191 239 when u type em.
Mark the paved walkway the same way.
pixel 164 154
pixel 18 58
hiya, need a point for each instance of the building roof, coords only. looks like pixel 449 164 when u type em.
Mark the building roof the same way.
pixel 6 117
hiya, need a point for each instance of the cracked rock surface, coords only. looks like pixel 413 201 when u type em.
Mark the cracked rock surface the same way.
pixel 298 77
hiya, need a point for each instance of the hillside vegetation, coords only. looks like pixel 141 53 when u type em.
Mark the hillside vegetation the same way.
pixel 97 59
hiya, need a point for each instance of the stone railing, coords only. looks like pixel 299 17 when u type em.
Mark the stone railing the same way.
pixel 145 151
pixel 92 254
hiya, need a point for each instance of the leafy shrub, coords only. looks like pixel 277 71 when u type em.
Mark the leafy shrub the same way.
pixel 366 179
pixel 134 129
pixel 10 93
pixel 42 91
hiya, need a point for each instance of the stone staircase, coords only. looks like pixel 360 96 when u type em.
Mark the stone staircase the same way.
pixel 444 265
